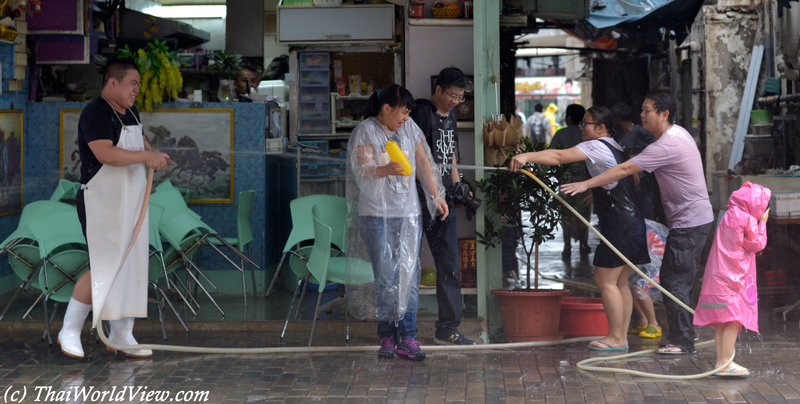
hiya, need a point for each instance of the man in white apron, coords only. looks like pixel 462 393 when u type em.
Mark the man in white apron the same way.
pixel 114 161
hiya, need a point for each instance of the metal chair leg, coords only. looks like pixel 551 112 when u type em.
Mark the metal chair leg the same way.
pixel 47 324
pixel 275 276
pixel 50 320
pixel 197 282
pixel 252 274
pixel 185 301
pixel 314 323
pixel 291 305
pixel 347 321
pixel 3 314
pixel 302 295
pixel 160 311
pixel 30 309
pixel 244 286
pixel 173 308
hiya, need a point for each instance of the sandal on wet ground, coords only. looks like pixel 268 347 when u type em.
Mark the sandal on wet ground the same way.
pixel 609 347
pixel 732 372
pixel 650 332
pixel 635 329
pixel 674 350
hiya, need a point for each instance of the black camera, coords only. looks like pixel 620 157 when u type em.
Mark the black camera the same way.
pixel 460 193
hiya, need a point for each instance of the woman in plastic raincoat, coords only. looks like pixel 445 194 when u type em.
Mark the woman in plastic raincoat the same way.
pixel 384 218
pixel 729 298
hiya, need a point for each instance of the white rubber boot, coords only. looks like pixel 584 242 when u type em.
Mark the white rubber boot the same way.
pixel 70 335
pixel 122 334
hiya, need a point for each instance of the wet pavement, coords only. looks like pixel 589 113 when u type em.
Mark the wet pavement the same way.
pixel 540 375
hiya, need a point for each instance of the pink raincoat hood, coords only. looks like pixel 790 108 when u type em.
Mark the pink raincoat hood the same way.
pixel 751 198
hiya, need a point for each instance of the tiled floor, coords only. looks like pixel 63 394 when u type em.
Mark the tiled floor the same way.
pixel 540 375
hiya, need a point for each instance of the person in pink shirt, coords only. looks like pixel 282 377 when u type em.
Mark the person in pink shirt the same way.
pixel 729 298
pixel 675 161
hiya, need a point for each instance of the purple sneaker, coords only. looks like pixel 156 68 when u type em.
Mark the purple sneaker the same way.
pixel 387 348
pixel 410 349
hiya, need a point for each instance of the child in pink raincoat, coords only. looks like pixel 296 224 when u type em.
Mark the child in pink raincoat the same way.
pixel 729 297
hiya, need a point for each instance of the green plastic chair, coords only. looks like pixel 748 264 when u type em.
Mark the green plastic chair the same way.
pixel 345 271
pixel 303 226
pixel 21 259
pixel 167 184
pixel 24 261
pixel 244 236
pixel 157 268
pixel 179 228
pixel 172 201
pixel 30 212
pixel 64 190
pixel 59 235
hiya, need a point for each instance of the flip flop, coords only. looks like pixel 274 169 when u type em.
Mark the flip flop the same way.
pixel 610 347
pixel 635 329
pixel 650 332
pixel 731 372
pixel 680 350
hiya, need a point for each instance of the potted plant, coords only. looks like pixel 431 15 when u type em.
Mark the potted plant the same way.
pixel 226 66
pixel 159 73
pixel 529 314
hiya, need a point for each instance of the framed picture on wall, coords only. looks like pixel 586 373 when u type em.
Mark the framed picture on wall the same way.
pixel 11 122
pixel 198 141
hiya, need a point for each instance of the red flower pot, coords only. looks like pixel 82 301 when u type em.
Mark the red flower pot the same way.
pixel 531 315
pixel 583 317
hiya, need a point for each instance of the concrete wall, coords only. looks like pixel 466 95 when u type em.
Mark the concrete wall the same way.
pixel 729 35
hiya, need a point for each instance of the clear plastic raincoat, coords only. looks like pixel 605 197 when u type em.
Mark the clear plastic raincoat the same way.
pixel 729 284
pixel 384 226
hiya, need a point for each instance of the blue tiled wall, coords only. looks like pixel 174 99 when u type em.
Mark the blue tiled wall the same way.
pixel 251 171
pixel 10 100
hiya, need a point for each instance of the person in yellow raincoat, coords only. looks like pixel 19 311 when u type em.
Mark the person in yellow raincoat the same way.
pixel 550 114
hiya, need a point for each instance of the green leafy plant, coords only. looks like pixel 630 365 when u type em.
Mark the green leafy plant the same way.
pixel 159 72
pixel 226 65
pixel 519 201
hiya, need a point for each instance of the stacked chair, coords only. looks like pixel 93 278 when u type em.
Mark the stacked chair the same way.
pixel 20 246
pixel 185 233
pixel 157 267
pixel 48 250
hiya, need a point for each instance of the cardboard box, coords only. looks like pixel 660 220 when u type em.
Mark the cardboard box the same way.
pixel 785 203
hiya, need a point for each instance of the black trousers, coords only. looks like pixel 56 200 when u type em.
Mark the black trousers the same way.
pixel 678 270
pixel 443 240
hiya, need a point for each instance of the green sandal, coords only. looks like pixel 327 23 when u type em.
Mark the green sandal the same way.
pixel 650 332
pixel 635 329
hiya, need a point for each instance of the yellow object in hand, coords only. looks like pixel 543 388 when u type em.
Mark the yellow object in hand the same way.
pixel 398 156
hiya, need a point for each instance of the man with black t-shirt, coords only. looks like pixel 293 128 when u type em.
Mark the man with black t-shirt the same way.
pixel 113 180
pixel 437 119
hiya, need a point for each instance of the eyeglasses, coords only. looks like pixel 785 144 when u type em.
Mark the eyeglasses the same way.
pixel 583 124
pixel 455 97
